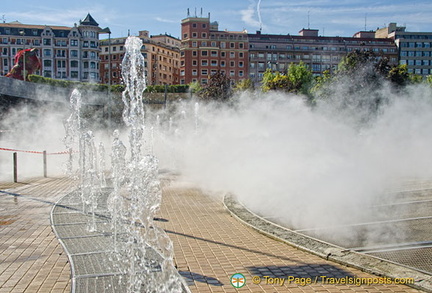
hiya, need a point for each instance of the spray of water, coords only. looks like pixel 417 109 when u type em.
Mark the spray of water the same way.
pixel 305 167
pixel 145 253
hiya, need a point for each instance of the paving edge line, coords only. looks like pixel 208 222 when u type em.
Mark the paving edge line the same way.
pixel 347 257
pixel 69 256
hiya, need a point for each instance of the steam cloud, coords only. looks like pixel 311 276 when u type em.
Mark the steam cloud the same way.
pixel 301 166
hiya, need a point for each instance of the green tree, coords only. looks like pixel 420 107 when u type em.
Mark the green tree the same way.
pixel 297 80
pixel 398 75
pixel 300 77
pixel 429 80
pixel 218 87
pixel 275 81
pixel 243 85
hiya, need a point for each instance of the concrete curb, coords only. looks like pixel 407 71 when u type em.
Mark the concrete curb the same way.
pixel 365 263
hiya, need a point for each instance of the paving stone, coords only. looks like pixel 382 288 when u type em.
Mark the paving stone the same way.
pixel 209 245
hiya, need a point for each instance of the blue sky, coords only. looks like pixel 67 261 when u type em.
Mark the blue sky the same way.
pixel 332 18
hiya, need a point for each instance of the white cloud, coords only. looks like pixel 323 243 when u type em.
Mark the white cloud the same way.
pixel 160 19
pixel 248 16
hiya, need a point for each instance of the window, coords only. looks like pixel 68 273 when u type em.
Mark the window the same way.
pixel 214 63
pixel 213 53
pixel 47 73
pixel 74 74
pixel 47 63
pixel 232 45
pixel 204 72
pixel 74 64
pixel 232 54
pixel 61 53
pixel 47 42
pixel 194 53
pixel 47 52
pixel 74 43
pixel 204 53
pixel 61 64
pixel 316 67
pixel 204 63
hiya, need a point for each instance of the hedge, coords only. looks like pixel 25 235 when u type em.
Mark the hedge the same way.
pixel 178 88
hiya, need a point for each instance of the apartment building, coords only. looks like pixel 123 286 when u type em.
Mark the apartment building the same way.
pixel 70 53
pixel 415 48
pixel 161 59
pixel 319 53
pixel 206 50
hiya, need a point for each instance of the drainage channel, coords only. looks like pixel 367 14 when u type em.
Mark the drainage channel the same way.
pixel 399 231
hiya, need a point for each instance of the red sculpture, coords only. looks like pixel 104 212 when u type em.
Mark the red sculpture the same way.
pixel 31 64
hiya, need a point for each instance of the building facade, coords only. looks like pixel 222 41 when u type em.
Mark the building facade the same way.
pixel 69 53
pixel 161 59
pixel 415 48
pixel 319 53
pixel 205 50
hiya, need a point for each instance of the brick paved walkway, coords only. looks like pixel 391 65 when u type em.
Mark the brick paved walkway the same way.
pixel 31 259
pixel 209 245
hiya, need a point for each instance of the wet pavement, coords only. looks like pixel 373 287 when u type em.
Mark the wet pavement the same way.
pixel 32 259
pixel 210 246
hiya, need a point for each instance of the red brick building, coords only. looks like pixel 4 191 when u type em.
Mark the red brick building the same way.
pixel 205 50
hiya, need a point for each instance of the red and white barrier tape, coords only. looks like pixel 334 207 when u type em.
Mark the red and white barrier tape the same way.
pixel 36 152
